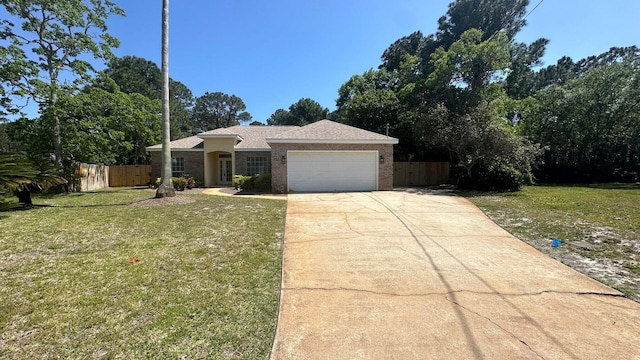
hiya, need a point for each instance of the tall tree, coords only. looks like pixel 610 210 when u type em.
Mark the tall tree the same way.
pixel 279 117
pixel 138 75
pixel 109 127
pixel 166 187
pixel 470 63
pixel 521 79
pixel 488 16
pixel 217 109
pixel 590 125
pixel 302 112
pixel 60 33
pixel 306 111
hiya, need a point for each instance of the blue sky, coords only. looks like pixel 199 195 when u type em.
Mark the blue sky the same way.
pixel 272 53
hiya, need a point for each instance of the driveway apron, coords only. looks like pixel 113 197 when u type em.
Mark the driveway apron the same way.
pixel 395 275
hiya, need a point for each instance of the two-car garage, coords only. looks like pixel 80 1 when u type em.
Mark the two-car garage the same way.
pixel 327 156
pixel 324 171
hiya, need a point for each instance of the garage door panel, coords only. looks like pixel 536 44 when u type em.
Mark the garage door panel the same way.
pixel 321 171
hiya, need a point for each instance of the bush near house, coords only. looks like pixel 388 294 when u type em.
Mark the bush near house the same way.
pixel 180 183
pixel 260 183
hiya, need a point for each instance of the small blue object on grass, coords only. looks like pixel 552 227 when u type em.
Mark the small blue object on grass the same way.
pixel 555 242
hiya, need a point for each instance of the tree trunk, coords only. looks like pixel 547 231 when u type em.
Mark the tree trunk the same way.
pixel 24 197
pixel 167 190
pixel 57 137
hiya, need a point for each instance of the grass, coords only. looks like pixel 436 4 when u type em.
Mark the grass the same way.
pixel 605 218
pixel 206 284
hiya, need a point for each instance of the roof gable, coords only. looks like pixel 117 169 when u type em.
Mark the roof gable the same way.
pixel 250 137
pixel 192 143
pixel 327 131
pixel 259 137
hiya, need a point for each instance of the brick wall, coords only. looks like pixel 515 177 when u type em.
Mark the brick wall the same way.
pixel 279 170
pixel 193 164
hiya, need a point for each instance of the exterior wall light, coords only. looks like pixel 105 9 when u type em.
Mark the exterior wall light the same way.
pixel 283 159
pixel 381 159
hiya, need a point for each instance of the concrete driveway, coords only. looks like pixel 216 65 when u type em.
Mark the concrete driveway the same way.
pixel 394 275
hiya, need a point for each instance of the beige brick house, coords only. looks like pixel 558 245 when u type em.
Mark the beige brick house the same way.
pixel 320 157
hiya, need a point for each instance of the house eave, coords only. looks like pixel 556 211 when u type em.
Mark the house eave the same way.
pixel 253 149
pixel 332 141
pixel 175 149
pixel 220 136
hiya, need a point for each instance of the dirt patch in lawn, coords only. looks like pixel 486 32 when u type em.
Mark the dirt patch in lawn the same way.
pixel 176 200
pixel 597 227
pixel 602 253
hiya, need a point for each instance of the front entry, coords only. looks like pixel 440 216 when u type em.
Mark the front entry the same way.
pixel 225 170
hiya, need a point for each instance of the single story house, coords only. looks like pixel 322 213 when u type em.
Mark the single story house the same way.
pixel 323 156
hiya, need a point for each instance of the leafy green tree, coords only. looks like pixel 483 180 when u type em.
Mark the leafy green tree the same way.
pixel 306 111
pixel 521 79
pixel 590 126
pixel 415 44
pixel 470 63
pixel 100 127
pixel 566 69
pixel 215 110
pixel 488 16
pixel 138 75
pixel 60 34
pixel 279 117
pixel 109 128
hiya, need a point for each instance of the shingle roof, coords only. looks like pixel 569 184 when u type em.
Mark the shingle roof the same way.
pixel 250 137
pixel 192 142
pixel 253 137
pixel 258 137
pixel 327 131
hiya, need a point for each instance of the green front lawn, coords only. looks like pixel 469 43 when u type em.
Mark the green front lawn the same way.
pixel 205 286
pixel 602 222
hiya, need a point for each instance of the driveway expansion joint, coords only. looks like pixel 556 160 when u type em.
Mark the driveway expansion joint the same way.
pixel 452 292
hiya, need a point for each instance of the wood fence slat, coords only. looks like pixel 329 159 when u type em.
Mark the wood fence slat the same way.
pixel 129 175
pixel 420 173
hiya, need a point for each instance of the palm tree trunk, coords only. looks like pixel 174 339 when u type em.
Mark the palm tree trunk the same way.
pixel 166 188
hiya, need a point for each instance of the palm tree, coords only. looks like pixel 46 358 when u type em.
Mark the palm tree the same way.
pixel 166 188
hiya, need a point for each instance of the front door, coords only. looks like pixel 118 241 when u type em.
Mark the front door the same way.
pixel 225 169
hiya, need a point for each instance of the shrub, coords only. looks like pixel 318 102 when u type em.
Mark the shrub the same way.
pixel 493 176
pixel 239 180
pixel 190 181
pixel 260 183
pixel 179 183
pixel 263 182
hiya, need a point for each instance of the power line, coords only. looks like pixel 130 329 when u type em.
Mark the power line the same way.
pixel 532 10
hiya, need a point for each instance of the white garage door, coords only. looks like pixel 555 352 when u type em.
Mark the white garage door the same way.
pixel 325 171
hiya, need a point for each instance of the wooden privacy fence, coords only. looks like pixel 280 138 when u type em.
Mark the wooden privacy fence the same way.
pixel 420 173
pixel 129 175
pixel 92 176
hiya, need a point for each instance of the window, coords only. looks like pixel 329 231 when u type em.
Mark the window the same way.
pixel 257 165
pixel 177 166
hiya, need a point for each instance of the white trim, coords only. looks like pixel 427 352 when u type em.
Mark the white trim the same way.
pixel 196 150
pixel 220 136
pixel 331 141
pixel 175 149
pixel 253 149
